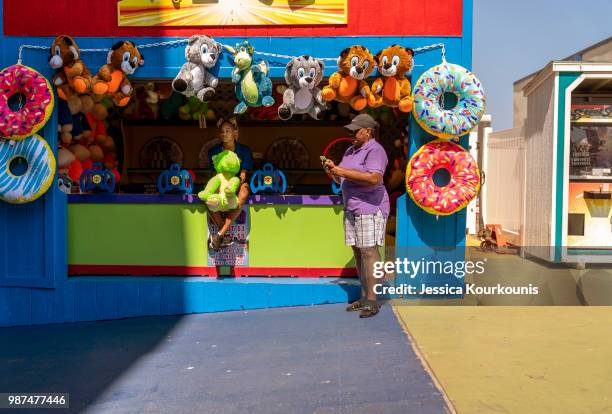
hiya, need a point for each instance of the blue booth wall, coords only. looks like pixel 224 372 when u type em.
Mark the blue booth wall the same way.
pixel 34 286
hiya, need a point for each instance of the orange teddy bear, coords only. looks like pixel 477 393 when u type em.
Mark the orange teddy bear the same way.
pixel 393 89
pixel 348 85
pixel 123 60
pixel 73 79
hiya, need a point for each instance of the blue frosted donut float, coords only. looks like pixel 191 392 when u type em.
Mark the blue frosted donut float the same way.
pixel 37 178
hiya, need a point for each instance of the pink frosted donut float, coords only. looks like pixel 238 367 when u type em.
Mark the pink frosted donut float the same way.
pixel 462 187
pixel 35 109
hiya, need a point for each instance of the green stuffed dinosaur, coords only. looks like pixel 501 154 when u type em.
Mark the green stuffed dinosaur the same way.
pixel 220 191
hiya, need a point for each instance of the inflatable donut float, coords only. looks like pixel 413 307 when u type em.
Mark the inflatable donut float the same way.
pixel 448 123
pixel 35 181
pixel 462 187
pixel 37 105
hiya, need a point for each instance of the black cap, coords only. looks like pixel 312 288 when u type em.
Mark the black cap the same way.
pixel 362 121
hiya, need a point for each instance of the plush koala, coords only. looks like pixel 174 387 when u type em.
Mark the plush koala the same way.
pixel 303 75
pixel 194 79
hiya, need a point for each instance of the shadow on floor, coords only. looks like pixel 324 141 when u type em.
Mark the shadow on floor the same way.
pixel 317 359
pixel 82 359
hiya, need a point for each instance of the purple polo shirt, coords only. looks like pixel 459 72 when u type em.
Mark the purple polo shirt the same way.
pixel 365 199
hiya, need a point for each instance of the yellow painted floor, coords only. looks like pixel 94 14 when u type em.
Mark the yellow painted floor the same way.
pixel 523 360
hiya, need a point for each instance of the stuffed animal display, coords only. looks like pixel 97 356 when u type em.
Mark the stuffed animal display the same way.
pixel 220 191
pixel 193 110
pixel 348 85
pixel 253 86
pixel 194 79
pixel 144 103
pixel 269 113
pixel 392 88
pixel 73 79
pixel 72 127
pixel 302 96
pixel 83 140
pixel 112 79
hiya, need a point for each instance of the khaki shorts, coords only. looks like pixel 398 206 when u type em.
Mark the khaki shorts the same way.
pixel 364 230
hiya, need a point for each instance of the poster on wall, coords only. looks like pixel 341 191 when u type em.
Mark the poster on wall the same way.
pixel 589 218
pixel 237 254
pixel 590 196
pixel 591 151
pixel 231 12
pixel 582 113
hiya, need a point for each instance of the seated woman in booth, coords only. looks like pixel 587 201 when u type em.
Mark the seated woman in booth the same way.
pixel 228 133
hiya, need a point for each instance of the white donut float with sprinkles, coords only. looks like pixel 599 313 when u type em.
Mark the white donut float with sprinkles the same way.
pixel 431 87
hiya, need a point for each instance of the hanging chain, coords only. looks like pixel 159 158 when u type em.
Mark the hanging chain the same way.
pixel 432 47
pixel 161 44
pixel 94 50
pixel 29 47
pixel 181 41
pixel 287 56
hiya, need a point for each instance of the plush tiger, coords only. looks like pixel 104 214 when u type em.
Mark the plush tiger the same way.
pixel 392 88
pixel 348 84
pixel 72 76
pixel 112 79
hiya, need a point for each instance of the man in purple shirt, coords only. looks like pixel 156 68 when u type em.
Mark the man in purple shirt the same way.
pixel 366 205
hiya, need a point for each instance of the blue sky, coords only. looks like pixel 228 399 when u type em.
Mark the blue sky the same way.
pixel 513 38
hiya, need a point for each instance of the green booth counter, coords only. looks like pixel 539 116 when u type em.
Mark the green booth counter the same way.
pixel 129 234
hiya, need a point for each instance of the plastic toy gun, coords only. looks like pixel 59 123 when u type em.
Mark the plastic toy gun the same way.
pixel 98 179
pixel 268 179
pixel 175 180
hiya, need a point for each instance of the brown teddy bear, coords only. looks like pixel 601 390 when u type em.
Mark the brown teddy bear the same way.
pixel 348 85
pixel 393 89
pixel 123 60
pixel 73 79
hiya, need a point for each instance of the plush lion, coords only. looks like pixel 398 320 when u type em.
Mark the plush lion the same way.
pixel 73 79
pixel 348 85
pixel 393 89
pixel 123 60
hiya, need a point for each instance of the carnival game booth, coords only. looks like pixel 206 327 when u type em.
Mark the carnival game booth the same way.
pixel 84 246
pixel 567 212
pixel 168 138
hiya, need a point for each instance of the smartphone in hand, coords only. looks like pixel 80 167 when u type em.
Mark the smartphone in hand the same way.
pixel 323 160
